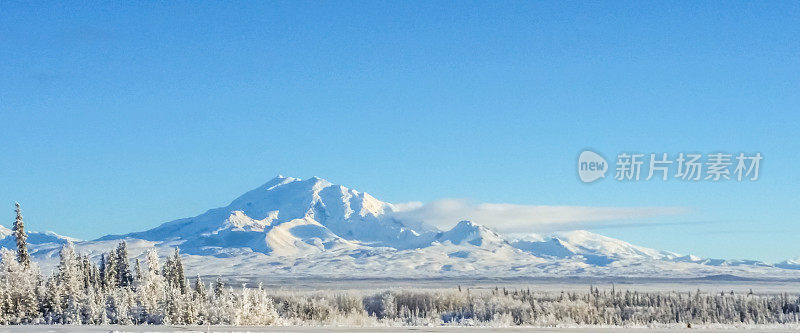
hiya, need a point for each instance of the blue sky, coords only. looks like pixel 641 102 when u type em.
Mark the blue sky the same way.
pixel 120 116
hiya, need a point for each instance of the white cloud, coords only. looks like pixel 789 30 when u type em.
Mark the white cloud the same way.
pixel 509 218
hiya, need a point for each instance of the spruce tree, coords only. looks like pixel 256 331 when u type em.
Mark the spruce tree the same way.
pixel 86 270
pixel 95 280
pixel 167 271
pixel 152 290
pixel 70 284
pixel 101 273
pixel 21 283
pixel 138 271
pixel 219 288
pixel 19 233
pixel 110 278
pixel 124 277
pixel 179 275
pixel 200 288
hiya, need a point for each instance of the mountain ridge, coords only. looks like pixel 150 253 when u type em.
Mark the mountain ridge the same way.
pixel 294 226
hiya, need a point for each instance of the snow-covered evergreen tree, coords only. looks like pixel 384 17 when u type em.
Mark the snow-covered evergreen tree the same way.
pixel 70 286
pixel 152 292
pixel 173 272
pixel 101 274
pixel 20 281
pixel 50 301
pixel 200 289
pixel 219 288
pixel 137 271
pixel 180 275
pixel 19 233
pixel 110 278
pixel 124 276
pixel 256 307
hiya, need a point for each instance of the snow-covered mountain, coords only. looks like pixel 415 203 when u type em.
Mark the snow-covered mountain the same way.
pixel 790 263
pixel 290 216
pixel 468 233
pixel 596 249
pixel 39 241
pixel 291 226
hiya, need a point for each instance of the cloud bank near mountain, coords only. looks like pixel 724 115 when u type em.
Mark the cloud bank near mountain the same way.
pixel 515 219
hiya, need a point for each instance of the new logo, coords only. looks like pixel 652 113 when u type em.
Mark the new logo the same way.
pixel 591 166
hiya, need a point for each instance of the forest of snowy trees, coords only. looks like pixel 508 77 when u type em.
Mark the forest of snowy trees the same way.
pixel 116 291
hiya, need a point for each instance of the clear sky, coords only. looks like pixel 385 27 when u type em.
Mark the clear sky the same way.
pixel 117 117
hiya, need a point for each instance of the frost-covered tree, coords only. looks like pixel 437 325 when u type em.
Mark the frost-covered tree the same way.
pixel 152 292
pixel 173 272
pixel 180 275
pixel 110 276
pixel 19 233
pixel 124 276
pixel 121 307
pixel 200 289
pixel 85 267
pixel 19 281
pixel 92 310
pixel 137 271
pixel 69 283
pixel 219 288
pixel 101 274
pixel 255 308
pixel 50 301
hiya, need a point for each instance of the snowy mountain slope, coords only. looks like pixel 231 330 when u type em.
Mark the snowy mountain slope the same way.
pixel 5 232
pixel 591 243
pixel 594 248
pixel 466 232
pixel 291 216
pixel 39 241
pixel 436 261
pixel 601 250
pixel 40 244
pixel 789 264
pixel 311 227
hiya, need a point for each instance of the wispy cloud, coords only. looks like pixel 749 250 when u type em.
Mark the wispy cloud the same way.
pixel 510 218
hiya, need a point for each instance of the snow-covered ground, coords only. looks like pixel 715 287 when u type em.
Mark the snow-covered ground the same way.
pixel 347 329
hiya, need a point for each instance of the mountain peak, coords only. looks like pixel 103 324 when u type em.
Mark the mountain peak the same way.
pixel 466 232
pixel 465 224
pixel 300 210
pixel 318 183
pixel 277 181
